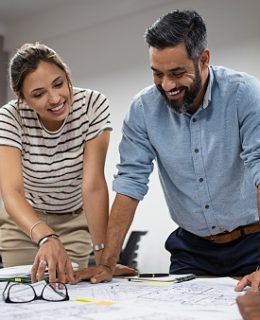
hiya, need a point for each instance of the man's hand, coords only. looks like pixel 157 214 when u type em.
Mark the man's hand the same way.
pixel 103 273
pixel 249 305
pixel 252 279
pixel 122 270
pixel 95 275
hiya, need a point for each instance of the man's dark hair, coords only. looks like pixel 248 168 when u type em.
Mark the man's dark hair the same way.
pixel 178 27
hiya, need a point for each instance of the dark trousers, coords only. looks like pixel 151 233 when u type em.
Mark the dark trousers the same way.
pixel 192 254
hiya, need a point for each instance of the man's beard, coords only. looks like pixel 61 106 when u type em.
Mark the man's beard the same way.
pixel 189 95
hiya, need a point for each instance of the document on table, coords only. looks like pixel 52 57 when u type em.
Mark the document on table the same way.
pixel 22 271
pixel 198 299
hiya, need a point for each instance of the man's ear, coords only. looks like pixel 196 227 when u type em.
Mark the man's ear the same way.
pixel 205 58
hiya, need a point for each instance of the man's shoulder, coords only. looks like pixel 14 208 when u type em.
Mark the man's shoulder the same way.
pixel 228 74
pixel 147 94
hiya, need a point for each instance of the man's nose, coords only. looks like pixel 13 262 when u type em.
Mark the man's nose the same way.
pixel 168 83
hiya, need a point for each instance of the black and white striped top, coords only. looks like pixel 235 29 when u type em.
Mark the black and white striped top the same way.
pixel 53 161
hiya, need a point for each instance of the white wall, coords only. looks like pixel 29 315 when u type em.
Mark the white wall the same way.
pixel 102 41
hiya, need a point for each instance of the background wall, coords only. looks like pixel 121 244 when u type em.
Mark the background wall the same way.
pixel 102 42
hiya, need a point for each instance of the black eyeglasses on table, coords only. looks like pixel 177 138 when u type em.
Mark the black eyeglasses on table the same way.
pixel 24 292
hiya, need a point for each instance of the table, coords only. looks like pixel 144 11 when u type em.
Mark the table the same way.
pixel 202 298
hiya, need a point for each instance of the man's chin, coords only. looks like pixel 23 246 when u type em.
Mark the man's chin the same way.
pixel 179 108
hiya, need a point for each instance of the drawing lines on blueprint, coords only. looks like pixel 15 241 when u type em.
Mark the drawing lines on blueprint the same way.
pixel 192 294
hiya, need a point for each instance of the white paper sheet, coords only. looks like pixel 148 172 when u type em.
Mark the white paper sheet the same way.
pixel 199 299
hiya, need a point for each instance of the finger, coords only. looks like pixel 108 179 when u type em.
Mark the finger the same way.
pixel 41 270
pixel 34 270
pixel 242 284
pixel 125 271
pixel 69 271
pixel 100 277
pixel 52 270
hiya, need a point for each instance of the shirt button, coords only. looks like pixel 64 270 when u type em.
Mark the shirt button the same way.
pixel 206 206
pixel 194 120
pixel 196 150
pixel 200 179
pixel 213 227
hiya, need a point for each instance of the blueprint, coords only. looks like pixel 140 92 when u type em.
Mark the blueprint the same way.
pixel 204 298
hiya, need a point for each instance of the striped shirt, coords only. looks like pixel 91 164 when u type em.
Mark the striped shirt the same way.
pixel 53 161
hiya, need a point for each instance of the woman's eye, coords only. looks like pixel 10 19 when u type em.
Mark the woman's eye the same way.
pixel 38 94
pixel 58 84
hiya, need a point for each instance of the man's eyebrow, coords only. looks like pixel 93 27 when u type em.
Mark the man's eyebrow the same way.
pixel 177 69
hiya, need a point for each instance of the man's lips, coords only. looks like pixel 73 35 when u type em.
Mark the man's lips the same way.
pixel 174 94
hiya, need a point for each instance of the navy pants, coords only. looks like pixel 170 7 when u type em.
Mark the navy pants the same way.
pixel 192 254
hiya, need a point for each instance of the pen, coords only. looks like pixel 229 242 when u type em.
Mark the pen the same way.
pixel 153 275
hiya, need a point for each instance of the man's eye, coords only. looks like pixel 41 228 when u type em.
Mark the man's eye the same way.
pixel 178 75
pixel 158 74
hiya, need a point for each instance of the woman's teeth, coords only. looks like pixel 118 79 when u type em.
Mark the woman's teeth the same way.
pixel 58 108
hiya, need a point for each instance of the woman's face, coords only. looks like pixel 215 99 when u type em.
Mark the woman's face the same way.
pixel 46 90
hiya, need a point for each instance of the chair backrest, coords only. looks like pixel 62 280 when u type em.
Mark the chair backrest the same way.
pixel 129 253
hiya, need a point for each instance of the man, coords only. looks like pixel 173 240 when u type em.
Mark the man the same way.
pixel 201 124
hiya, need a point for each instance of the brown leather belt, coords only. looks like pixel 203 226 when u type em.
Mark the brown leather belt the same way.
pixel 74 212
pixel 234 235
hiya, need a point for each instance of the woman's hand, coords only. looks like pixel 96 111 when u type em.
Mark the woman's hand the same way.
pixel 52 256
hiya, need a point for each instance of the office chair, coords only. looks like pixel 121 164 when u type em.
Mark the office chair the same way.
pixel 129 253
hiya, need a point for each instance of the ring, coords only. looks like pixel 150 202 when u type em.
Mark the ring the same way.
pixel 43 262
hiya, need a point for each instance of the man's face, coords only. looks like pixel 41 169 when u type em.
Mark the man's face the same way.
pixel 176 76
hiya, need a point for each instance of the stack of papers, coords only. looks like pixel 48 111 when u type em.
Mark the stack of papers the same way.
pixel 17 271
pixel 23 271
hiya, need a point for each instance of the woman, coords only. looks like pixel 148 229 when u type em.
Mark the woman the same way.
pixel 53 145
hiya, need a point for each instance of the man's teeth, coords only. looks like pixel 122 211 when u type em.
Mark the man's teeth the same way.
pixel 174 93
pixel 57 108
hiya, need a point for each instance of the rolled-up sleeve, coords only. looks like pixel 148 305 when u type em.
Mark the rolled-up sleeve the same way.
pixel 249 117
pixel 136 155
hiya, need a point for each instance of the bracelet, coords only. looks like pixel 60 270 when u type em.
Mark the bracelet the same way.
pixel 98 247
pixel 33 226
pixel 46 238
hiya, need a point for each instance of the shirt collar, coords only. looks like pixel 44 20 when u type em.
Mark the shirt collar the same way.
pixel 207 96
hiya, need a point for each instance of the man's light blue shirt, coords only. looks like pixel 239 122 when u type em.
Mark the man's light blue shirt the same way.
pixel 208 162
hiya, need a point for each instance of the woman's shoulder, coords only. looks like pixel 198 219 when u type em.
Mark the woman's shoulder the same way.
pixel 85 92
pixel 89 97
pixel 10 109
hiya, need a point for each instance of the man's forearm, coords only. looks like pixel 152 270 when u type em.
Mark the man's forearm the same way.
pixel 120 219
